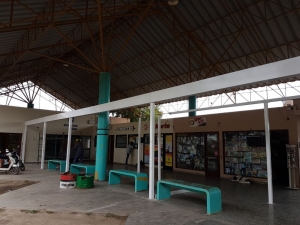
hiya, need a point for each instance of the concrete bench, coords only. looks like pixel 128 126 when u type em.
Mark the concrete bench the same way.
pixel 52 163
pixel 213 194
pixel 141 179
pixel 76 168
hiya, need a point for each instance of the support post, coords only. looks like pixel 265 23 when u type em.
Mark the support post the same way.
pixel 30 105
pixel 159 148
pixel 151 157
pixel 139 146
pixel 102 129
pixel 268 149
pixel 69 144
pixel 43 145
pixel 24 143
pixel 192 105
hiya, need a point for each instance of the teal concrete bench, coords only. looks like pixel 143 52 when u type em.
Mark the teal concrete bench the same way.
pixel 76 168
pixel 213 194
pixel 141 179
pixel 54 162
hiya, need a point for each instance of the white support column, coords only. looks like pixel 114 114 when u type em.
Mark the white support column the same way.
pixel 24 144
pixel 268 149
pixel 159 148
pixel 139 146
pixel 43 145
pixel 69 144
pixel 151 157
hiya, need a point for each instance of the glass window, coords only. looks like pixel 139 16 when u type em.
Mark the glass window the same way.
pixel 133 138
pixel 156 146
pixel 121 141
pixel 245 154
pixel 190 151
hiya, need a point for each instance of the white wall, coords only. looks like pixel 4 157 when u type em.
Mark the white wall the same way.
pixel 13 118
pixel 60 127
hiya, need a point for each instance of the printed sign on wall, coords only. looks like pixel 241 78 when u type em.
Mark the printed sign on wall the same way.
pixel 198 121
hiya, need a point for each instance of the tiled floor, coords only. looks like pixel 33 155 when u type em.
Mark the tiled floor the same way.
pixel 242 203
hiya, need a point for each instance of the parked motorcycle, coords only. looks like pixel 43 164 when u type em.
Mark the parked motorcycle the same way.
pixel 18 160
pixel 8 163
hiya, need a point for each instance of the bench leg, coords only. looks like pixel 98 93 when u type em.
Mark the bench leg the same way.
pixel 75 170
pixel 114 178
pixel 141 184
pixel 214 202
pixel 163 191
pixel 90 171
pixel 62 166
pixel 51 166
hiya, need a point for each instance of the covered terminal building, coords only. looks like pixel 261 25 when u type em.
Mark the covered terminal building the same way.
pixel 98 57
pixel 225 145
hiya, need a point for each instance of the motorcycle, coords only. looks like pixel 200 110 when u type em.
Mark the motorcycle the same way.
pixel 8 163
pixel 18 160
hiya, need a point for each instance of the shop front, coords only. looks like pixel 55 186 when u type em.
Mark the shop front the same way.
pixel 128 132
pixel 199 152
pixel 166 146
pixel 233 144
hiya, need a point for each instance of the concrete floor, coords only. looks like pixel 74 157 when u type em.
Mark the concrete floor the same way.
pixel 242 203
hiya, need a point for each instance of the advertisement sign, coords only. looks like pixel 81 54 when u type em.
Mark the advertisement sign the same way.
pixel 126 128
pixel 198 121
pixel 147 153
pixel 169 151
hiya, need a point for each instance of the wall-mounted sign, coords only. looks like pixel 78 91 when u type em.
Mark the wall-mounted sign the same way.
pixel 198 121
pixel 132 128
pixel 73 125
pixel 162 126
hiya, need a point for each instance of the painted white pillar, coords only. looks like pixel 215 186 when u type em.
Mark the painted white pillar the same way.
pixel 159 148
pixel 268 149
pixel 139 146
pixel 23 144
pixel 69 144
pixel 151 156
pixel 43 145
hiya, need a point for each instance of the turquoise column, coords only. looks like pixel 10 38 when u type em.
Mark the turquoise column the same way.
pixel 102 129
pixel 192 105
pixel 30 105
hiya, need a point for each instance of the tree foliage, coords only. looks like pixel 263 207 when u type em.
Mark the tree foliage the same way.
pixel 134 114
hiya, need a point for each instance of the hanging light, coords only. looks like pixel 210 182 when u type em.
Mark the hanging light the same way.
pixel 173 2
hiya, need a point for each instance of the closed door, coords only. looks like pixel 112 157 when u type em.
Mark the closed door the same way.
pixel 212 165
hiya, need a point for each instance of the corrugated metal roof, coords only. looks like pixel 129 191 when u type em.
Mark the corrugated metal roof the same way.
pixel 144 51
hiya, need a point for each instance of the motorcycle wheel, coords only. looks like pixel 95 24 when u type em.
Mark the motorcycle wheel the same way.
pixel 22 167
pixel 15 170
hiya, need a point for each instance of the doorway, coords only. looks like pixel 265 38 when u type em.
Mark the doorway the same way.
pixel 10 141
pixel 110 155
pixel 212 168
pixel 278 140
